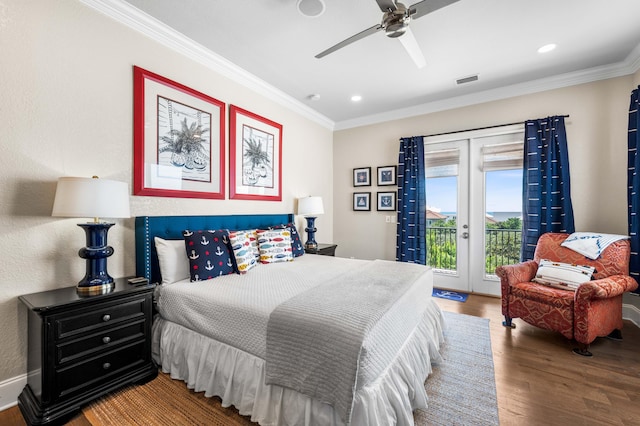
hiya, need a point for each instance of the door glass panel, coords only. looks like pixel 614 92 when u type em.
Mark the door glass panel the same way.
pixel 442 206
pixel 503 218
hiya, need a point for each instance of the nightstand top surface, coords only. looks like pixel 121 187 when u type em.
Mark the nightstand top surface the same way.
pixel 323 248
pixel 61 297
pixel 325 245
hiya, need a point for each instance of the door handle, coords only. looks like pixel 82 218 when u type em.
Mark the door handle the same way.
pixel 465 235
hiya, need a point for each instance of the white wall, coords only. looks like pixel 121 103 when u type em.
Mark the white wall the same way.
pixel 597 139
pixel 66 97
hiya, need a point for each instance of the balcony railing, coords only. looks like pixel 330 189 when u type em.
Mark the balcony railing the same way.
pixel 502 247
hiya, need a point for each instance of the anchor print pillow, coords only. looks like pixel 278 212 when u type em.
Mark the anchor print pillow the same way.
pixel 209 254
pixel 275 245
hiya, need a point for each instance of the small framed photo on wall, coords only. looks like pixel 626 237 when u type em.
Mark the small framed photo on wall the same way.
pixel 386 175
pixel 362 176
pixel 387 201
pixel 362 201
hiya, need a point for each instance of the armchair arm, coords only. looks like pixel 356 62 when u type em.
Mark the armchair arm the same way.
pixel 518 273
pixel 605 288
pixel 512 274
pixel 597 307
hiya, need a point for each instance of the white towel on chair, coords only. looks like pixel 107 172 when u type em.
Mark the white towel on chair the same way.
pixel 590 244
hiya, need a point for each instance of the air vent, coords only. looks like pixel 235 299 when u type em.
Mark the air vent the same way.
pixel 467 79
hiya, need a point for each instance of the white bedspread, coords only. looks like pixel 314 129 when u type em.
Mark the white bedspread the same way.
pixel 235 309
pixel 212 335
pixel 238 378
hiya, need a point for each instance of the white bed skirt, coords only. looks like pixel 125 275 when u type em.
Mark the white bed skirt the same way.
pixel 237 377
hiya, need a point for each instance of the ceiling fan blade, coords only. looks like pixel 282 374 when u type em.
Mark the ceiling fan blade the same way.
pixel 427 6
pixel 411 45
pixel 350 40
pixel 387 5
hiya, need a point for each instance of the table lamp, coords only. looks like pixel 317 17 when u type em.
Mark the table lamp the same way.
pixel 93 197
pixel 309 207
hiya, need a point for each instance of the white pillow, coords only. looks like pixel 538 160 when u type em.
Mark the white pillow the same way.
pixel 562 275
pixel 172 257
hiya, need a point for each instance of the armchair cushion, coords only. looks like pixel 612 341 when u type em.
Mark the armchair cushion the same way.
pixel 562 275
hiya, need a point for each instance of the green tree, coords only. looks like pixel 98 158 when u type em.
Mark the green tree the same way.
pixel 502 243
pixel 441 244
pixel 511 223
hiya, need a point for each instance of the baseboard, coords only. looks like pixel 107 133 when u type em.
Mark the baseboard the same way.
pixel 631 313
pixel 10 389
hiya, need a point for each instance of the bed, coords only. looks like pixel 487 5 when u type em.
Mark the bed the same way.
pixel 232 336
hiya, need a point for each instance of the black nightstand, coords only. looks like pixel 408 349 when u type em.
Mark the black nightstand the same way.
pixel 324 249
pixel 81 348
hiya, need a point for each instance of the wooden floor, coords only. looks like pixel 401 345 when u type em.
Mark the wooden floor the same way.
pixel 539 381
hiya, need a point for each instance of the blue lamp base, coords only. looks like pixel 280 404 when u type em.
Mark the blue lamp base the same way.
pixel 96 279
pixel 311 234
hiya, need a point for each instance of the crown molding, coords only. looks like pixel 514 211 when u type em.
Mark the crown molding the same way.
pixel 137 20
pixel 629 66
pixel 130 16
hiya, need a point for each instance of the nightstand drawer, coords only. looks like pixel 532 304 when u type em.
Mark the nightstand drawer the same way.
pixel 87 320
pixel 102 341
pixel 100 369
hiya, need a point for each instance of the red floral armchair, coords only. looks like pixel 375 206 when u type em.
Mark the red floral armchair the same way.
pixel 593 310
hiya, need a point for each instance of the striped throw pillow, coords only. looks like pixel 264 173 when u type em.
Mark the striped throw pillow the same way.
pixel 562 275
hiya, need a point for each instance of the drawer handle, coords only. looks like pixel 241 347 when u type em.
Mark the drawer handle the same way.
pixel 106 365
pixel 106 317
pixel 106 339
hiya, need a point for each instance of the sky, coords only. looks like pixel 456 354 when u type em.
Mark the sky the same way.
pixel 503 192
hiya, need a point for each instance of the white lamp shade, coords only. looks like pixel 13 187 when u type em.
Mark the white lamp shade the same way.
pixel 91 197
pixel 310 206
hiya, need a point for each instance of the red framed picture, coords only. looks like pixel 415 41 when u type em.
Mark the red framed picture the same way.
pixel 178 139
pixel 255 157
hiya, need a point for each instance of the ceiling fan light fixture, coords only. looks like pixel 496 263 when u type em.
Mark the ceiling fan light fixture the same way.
pixel 396 22
pixel 310 8
pixel 395 30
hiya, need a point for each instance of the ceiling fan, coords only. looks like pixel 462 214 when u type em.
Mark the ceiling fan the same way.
pixel 395 23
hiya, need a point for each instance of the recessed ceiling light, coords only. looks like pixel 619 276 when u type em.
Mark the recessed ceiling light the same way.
pixel 356 98
pixel 310 8
pixel 547 48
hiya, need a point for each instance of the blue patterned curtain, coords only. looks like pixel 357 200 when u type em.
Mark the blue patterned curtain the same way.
pixel 546 190
pixel 411 244
pixel 633 185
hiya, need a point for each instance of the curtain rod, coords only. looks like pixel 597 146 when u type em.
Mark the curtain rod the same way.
pixel 482 128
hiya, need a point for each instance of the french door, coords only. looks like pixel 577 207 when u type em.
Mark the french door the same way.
pixel 474 202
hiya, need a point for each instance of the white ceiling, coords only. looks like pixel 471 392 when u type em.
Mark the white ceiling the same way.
pixel 495 39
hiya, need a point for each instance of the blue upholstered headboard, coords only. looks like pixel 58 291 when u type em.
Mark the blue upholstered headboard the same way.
pixel 171 227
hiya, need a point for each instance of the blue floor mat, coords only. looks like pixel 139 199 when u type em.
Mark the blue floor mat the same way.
pixel 450 294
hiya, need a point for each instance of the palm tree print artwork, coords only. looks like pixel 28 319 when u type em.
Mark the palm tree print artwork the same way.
pixel 184 139
pixel 257 157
